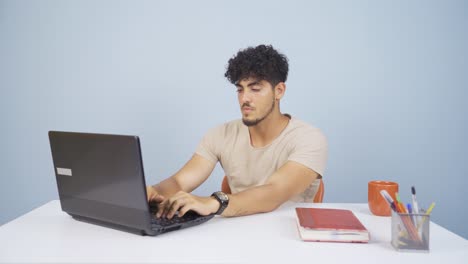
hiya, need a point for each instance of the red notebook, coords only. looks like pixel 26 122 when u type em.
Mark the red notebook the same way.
pixel 330 225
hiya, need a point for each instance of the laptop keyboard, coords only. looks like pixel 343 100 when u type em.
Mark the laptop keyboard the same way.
pixel 163 225
pixel 162 221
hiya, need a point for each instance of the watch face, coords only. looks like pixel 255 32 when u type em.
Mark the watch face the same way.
pixel 222 196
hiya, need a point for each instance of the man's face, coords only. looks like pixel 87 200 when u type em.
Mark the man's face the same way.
pixel 256 99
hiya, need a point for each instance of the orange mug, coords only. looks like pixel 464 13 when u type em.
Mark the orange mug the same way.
pixel 377 204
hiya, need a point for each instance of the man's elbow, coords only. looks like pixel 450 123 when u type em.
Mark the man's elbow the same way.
pixel 275 199
pixel 272 205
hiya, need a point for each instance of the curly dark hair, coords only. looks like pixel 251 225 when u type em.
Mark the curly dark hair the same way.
pixel 262 62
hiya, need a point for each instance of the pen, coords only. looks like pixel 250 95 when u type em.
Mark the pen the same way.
pixel 429 210
pixel 410 210
pixel 389 200
pixel 415 203
pixel 400 204
pixel 407 220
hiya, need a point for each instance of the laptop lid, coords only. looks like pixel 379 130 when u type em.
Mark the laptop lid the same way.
pixel 100 177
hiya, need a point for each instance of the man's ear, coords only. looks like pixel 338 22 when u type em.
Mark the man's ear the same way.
pixel 280 89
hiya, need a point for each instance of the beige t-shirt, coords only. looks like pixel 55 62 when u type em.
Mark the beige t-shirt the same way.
pixel 246 166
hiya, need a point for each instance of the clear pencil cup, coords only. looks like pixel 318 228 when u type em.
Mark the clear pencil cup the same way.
pixel 410 232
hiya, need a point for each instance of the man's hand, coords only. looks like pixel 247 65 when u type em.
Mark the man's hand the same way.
pixel 153 195
pixel 182 202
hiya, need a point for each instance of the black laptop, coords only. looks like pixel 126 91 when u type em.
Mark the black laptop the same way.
pixel 100 180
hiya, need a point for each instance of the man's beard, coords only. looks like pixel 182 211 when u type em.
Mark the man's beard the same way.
pixel 255 122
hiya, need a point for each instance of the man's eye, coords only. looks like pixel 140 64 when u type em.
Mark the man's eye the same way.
pixel 239 90
pixel 256 90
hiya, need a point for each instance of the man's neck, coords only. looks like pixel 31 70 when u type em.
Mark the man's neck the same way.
pixel 268 129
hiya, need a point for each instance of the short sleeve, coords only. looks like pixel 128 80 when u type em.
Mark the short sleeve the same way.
pixel 209 147
pixel 311 150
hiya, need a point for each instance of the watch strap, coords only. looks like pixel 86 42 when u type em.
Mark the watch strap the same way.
pixel 223 203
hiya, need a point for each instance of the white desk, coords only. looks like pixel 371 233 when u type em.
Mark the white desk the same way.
pixel 49 235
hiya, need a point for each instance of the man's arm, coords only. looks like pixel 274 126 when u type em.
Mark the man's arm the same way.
pixel 189 177
pixel 289 180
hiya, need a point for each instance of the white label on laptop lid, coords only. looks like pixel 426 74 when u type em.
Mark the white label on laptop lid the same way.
pixel 63 171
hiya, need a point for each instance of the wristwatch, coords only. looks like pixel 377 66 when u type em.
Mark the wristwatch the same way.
pixel 223 200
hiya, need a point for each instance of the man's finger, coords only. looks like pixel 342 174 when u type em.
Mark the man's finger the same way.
pixel 184 209
pixel 161 208
pixel 151 193
pixel 158 198
pixel 167 206
pixel 175 207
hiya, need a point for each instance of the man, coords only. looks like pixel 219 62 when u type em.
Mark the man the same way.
pixel 268 157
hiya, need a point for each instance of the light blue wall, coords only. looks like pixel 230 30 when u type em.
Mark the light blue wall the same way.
pixel 385 80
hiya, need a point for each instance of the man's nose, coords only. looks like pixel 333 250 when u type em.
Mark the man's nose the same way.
pixel 246 97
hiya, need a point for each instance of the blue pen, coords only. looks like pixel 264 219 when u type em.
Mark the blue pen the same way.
pixel 410 210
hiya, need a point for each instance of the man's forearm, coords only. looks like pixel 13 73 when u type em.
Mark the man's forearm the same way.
pixel 252 201
pixel 167 187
